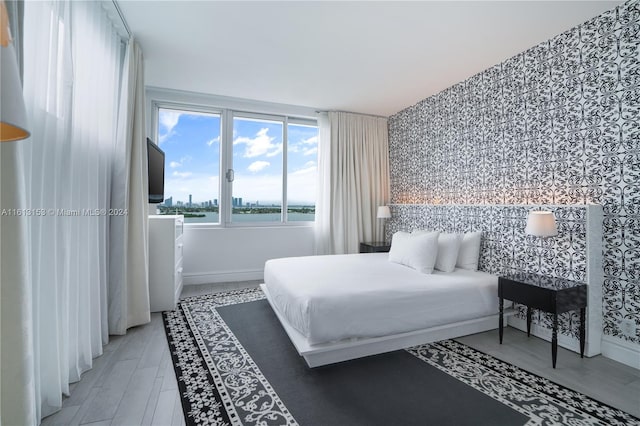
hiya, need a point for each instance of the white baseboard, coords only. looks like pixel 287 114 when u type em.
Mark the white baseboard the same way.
pixel 611 347
pixel 621 351
pixel 223 276
pixel 566 342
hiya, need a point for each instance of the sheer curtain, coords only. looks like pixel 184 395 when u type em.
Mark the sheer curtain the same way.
pixel 17 375
pixel 17 356
pixel 129 256
pixel 353 169
pixel 59 268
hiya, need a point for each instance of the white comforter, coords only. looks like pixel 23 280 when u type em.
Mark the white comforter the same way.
pixel 330 298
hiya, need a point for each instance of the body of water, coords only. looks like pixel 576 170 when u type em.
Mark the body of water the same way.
pixel 212 217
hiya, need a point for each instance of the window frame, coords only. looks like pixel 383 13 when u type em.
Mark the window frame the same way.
pixel 228 109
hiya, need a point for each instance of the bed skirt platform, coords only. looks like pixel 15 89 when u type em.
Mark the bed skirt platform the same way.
pixel 344 350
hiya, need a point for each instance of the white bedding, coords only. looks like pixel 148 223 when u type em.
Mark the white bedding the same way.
pixel 330 298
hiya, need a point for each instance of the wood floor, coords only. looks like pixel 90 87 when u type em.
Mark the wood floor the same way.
pixel 133 383
pixel 600 378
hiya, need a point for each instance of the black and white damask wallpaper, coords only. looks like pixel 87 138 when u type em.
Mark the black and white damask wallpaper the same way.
pixel 557 124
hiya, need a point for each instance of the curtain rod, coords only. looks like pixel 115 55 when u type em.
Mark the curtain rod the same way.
pixel 356 113
pixel 124 21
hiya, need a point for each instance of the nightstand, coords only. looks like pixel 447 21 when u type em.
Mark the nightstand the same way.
pixel 554 295
pixel 374 247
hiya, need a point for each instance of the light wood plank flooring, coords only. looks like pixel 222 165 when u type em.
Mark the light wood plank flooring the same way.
pixel 600 378
pixel 133 383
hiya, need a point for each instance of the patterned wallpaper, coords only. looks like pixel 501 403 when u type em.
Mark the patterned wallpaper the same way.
pixel 557 124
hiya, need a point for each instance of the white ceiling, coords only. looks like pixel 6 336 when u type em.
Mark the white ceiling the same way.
pixel 368 57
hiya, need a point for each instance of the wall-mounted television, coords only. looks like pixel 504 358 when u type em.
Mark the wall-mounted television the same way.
pixel 155 165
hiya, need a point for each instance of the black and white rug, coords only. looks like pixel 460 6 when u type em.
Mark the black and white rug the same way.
pixel 235 365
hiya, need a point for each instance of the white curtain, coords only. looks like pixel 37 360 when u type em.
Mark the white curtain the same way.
pixel 17 376
pixel 129 258
pixel 353 169
pixel 55 256
pixel 16 334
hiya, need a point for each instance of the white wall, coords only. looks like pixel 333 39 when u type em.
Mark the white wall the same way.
pixel 214 255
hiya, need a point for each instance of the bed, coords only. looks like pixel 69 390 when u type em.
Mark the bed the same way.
pixel 340 307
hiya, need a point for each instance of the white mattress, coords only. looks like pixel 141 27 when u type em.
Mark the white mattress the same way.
pixel 331 298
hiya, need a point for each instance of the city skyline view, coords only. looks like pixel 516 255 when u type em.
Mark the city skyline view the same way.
pixel 235 202
pixel 192 145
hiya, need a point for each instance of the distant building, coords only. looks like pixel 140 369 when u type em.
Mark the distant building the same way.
pixel 240 202
pixel 179 203
pixel 215 202
pixel 190 201
pixel 168 202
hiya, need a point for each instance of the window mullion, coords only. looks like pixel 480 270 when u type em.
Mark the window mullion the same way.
pixel 226 148
pixel 285 146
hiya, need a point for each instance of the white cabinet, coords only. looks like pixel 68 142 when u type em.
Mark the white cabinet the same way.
pixel 165 261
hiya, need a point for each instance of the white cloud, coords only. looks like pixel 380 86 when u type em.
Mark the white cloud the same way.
pixel 313 140
pixel 302 184
pixel 214 140
pixel 310 151
pixel 162 137
pixel 168 120
pixel 175 164
pixel 308 169
pixel 256 166
pixel 307 146
pixel 182 175
pixel 261 144
pixel 277 151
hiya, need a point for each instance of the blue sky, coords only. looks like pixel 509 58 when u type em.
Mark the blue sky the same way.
pixel 191 142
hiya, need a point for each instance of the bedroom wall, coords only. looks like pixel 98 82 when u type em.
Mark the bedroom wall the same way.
pixel 556 124
pixel 214 255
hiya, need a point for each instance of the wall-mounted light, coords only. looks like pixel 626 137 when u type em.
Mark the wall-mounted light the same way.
pixel 541 224
pixel 13 116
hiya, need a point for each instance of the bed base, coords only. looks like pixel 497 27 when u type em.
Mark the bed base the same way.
pixel 344 350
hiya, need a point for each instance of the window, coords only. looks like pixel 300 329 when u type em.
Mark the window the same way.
pixel 302 170
pixel 191 142
pixel 257 166
pixel 235 167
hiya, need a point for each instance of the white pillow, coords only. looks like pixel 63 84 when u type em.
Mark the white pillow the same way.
pixel 448 247
pixel 469 252
pixel 415 251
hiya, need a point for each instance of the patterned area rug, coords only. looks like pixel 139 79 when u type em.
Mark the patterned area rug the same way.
pixel 220 384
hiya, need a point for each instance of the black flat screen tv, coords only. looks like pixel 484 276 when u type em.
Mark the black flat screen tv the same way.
pixel 155 165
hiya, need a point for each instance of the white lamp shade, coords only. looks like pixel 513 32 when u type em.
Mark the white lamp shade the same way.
pixel 384 212
pixel 13 116
pixel 541 224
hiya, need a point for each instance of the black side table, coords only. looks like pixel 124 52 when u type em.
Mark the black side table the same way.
pixel 554 295
pixel 374 247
